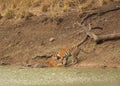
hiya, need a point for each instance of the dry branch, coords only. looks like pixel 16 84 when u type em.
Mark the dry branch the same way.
pixel 104 37
pixel 98 38
pixel 108 37
pixel 102 10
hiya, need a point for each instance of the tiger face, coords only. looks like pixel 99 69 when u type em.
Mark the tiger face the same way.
pixel 56 61
pixel 62 60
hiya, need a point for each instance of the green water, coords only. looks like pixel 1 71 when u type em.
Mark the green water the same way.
pixel 16 76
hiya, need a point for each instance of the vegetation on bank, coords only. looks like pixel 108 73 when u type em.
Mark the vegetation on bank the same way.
pixel 22 8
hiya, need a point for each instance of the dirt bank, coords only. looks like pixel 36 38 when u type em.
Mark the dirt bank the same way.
pixel 24 39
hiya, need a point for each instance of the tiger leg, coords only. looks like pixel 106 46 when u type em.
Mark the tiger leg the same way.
pixel 74 60
pixel 75 55
pixel 65 60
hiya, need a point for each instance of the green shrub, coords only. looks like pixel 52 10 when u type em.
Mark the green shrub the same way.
pixel 9 14
pixel 45 8
pixel 25 14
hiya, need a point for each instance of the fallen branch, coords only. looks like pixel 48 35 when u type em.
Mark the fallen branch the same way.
pixel 104 37
pixel 108 37
pixel 99 38
pixel 102 10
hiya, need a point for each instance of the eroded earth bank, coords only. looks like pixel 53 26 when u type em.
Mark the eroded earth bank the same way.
pixel 23 41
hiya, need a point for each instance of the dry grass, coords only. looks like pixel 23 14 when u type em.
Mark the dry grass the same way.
pixel 51 7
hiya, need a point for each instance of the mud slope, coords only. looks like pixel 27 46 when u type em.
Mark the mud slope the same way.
pixel 22 39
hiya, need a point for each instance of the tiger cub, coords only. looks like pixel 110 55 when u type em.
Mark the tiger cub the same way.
pixel 54 62
pixel 61 57
pixel 63 54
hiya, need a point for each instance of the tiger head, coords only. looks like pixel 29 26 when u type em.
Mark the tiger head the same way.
pixel 56 61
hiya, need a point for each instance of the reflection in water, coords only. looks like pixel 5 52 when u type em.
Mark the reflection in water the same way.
pixel 16 76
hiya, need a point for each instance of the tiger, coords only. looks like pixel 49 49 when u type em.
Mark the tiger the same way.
pixel 54 62
pixel 62 55
pixel 38 62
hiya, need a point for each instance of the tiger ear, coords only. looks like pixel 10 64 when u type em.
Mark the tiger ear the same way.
pixel 54 56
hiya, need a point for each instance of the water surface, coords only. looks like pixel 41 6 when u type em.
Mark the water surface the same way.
pixel 17 76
